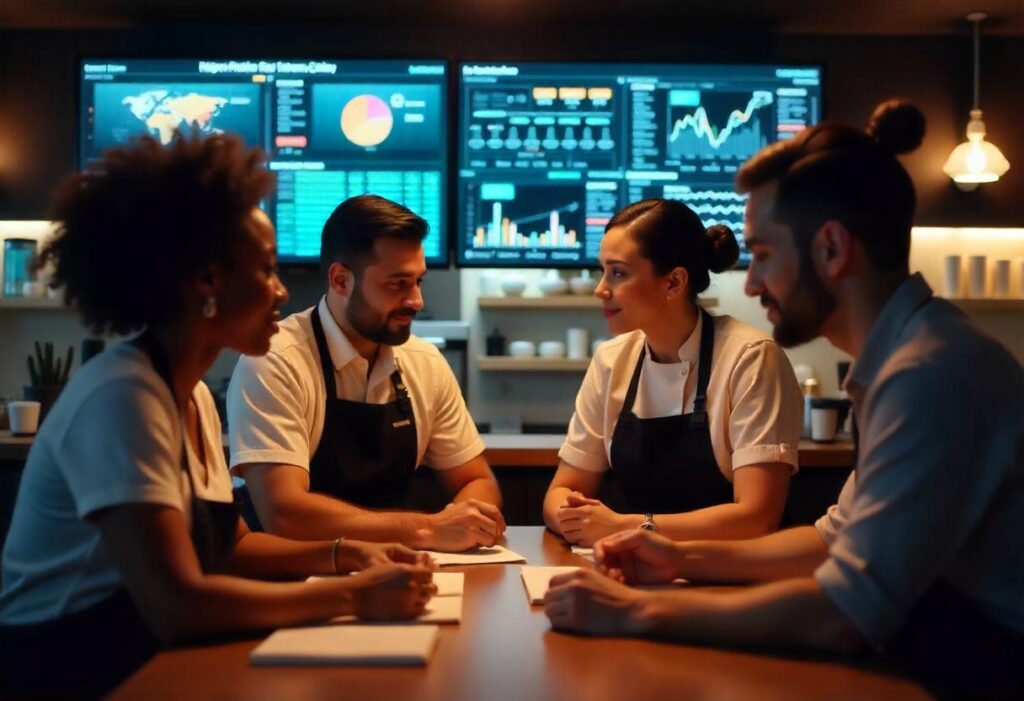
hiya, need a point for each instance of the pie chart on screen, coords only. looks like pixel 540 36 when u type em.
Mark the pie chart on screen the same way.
pixel 366 120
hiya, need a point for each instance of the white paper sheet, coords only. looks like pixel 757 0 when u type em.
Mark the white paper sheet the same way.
pixel 440 609
pixel 495 555
pixel 448 583
pixel 348 645
pixel 585 553
pixel 538 579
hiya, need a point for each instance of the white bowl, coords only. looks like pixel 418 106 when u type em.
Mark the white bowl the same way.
pixel 522 349
pixel 552 284
pixel 552 349
pixel 582 285
pixel 513 286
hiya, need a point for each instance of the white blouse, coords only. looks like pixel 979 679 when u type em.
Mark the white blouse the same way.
pixel 755 409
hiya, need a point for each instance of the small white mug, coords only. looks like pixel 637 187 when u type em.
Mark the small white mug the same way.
pixel 577 341
pixel 23 417
pixel 824 424
pixel 952 282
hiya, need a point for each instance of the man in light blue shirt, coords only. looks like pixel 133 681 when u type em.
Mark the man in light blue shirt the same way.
pixel 921 557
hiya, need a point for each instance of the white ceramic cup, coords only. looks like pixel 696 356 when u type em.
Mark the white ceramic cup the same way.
pixel 976 273
pixel 23 417
pixel 577 341
pixel 952 283
pixel 1001 279
pixel 522 349
pixel 824 424
pixel 552 349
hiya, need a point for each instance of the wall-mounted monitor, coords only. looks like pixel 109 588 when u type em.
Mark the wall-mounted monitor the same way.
pixel 331 129
pixel 549 151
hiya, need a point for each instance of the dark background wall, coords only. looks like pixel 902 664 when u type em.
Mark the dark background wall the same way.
pixel 38 91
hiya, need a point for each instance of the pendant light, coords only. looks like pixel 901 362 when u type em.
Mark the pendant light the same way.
pixel 975 161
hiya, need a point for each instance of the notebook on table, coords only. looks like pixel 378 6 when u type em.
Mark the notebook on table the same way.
pixel 393 645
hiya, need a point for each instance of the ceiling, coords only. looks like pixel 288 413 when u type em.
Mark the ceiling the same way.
pixel 850 17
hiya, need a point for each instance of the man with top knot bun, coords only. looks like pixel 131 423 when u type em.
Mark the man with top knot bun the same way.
pixel 920 559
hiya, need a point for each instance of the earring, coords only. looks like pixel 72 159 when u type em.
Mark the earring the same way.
pixel 210 307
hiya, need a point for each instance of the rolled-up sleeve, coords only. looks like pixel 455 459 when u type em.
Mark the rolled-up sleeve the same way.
pixel 908 513
pixel 454 439
pixel 584 445
pixel 765 417
pixel 266 417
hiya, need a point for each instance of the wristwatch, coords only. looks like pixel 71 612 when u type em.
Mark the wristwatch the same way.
pixel 648 523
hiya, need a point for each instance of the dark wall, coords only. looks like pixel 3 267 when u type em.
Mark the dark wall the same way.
pixel 38 92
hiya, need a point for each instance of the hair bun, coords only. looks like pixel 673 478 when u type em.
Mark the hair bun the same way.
pixel 723 249
pixel 897 126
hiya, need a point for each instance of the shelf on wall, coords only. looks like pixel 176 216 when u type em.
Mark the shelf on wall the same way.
pixel 504 363
pixel 33 304
pixel 988 305
pixel 559 302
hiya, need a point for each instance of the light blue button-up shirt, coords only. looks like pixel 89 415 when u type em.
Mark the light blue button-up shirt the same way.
pixel 938 489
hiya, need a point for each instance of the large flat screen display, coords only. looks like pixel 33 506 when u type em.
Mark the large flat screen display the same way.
pixel 331 129
pixel 549 151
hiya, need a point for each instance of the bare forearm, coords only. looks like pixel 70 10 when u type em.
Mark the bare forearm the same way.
pixel 553 501
pixel 318 517
pixel 721 522
pixel 794 613
pixel 795 552
pixel 265 556
pixel 483 489
pixel 219 604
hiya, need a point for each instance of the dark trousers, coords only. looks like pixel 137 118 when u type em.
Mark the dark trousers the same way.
pixel 81 656
pixel 957 652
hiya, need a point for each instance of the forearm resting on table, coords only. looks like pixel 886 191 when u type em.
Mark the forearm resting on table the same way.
pixel 553 501
pixel 266 556
pixel 218 604
pixel 316 516
pixel 721 522
pixel 793 613
pixel 287 508
pixel 481 489
pixel 794 552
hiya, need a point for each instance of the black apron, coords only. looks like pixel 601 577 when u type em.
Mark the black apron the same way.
pixel 666 465
pixel 367 452
pixel 85 654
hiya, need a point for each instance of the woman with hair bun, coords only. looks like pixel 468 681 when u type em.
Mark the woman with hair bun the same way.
pixel 125 534
pixel 696 417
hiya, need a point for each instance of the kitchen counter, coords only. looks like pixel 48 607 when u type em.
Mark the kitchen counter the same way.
pixel 535 450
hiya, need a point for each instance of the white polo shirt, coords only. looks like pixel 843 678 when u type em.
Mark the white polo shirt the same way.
pixel 276 403
pixel 114 437
pixel 755 409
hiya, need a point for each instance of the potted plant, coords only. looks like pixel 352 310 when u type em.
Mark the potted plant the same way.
pixel 47 376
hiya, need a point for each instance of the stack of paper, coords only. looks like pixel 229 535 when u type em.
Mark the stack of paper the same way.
pixel 585 553
pixel 538 579
pixel 440 609
pixel 494 555
pixel 347 645
pixel 448 583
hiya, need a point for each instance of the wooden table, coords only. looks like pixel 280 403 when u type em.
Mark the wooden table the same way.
pixel 505 650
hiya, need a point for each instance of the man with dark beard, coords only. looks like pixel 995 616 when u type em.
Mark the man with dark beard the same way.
pixel 329 427
pixel 920 559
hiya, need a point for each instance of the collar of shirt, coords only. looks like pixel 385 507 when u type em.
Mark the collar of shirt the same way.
pixel 689 352
pixel 884 334
pixel 343 352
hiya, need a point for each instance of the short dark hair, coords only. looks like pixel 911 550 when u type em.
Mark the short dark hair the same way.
pixel 834 171
pixel 671 235
pixel 142 221
pixel 355 224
